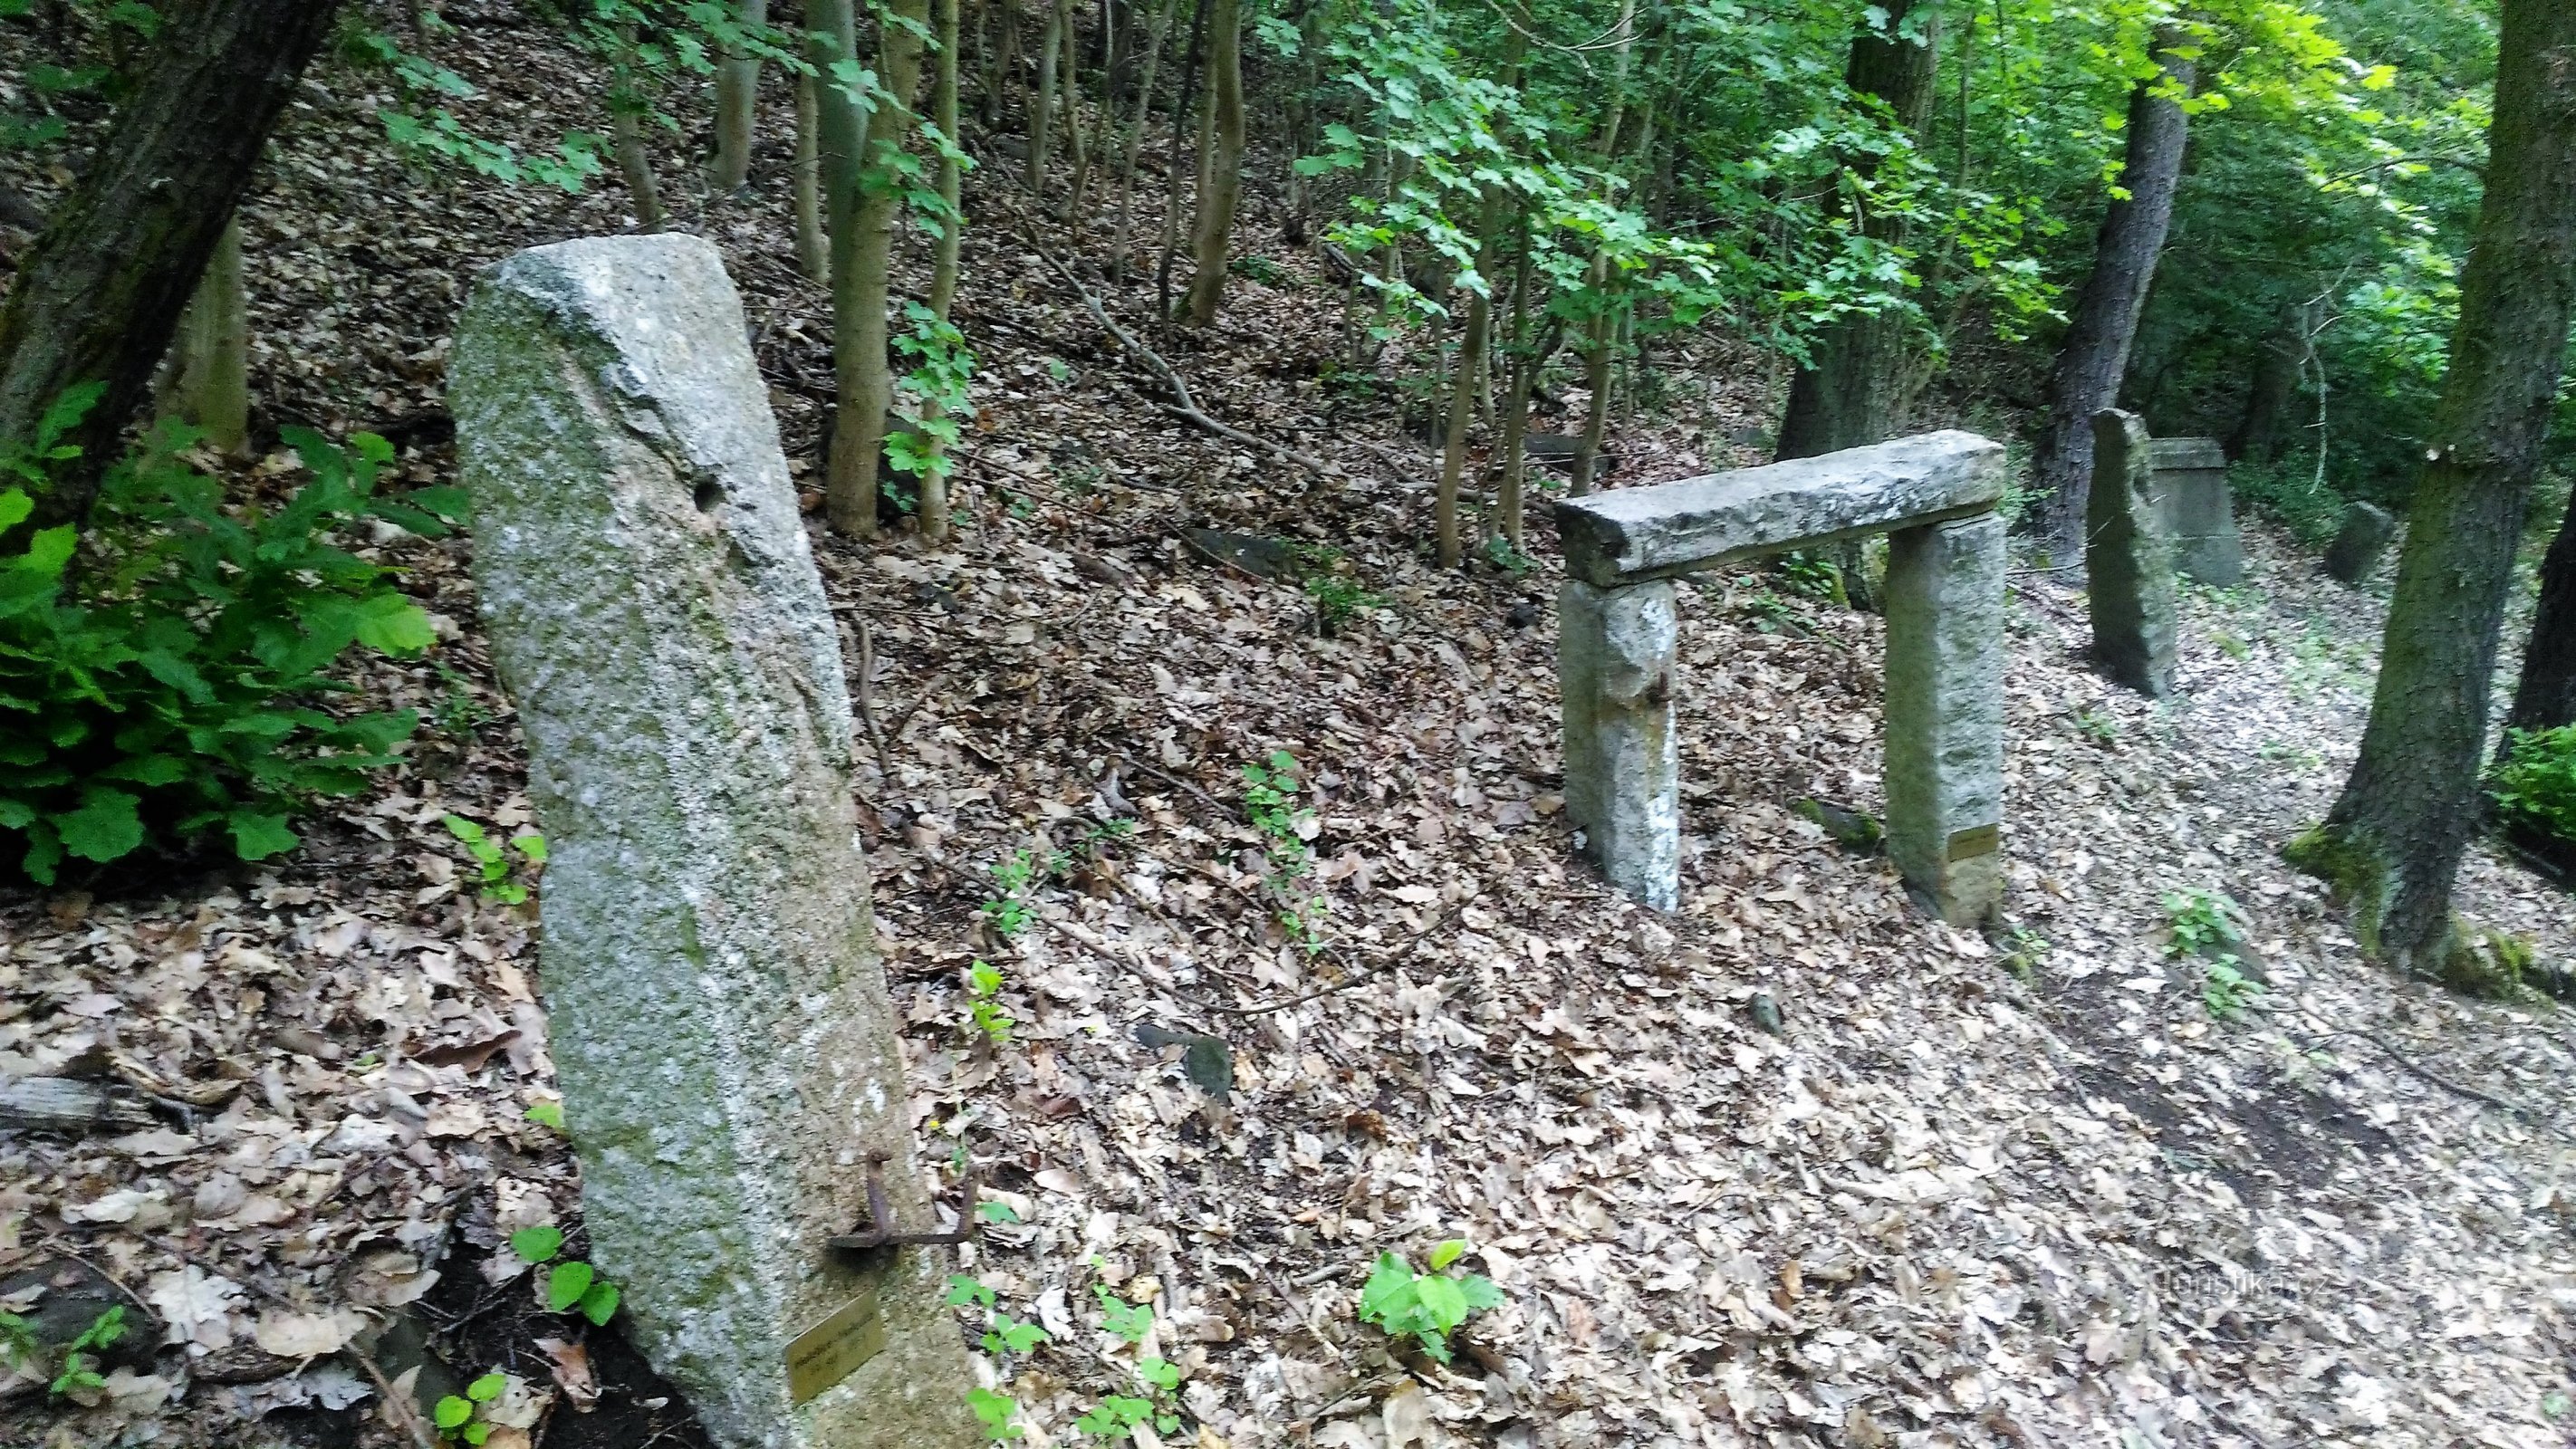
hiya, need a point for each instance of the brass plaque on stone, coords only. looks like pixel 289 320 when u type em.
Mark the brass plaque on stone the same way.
pixel 833 1349
pixel 1975 841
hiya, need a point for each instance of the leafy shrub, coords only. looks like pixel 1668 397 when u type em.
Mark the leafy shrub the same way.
pixel 161 678
pixel 2535 787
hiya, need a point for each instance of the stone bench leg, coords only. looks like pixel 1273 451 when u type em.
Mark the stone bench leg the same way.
pixel 1614 669
pixel 1945 714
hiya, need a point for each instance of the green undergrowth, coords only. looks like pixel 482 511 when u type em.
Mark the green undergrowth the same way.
pixel 167 665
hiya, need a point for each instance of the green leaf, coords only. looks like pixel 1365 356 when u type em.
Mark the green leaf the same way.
pixel 391 624
pixel 259 834
pixel 487 1388
pixel 15 505
pixel 991 1210
pixel 547 1114
pixel 105 827
pixel 566 1284
pixel 600 1303
pixel 537 1244
pixel 531 845
pixel 1447 1253
pixel 1442 1300
pixel 452 1412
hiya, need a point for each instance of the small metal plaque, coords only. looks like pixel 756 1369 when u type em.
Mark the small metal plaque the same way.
pixel 833 1349
pixel 1976 840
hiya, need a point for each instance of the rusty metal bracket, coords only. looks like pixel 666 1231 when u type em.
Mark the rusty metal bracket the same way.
pixel 879 1231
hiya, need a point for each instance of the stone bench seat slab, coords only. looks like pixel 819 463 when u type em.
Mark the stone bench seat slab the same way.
pixel 1631 535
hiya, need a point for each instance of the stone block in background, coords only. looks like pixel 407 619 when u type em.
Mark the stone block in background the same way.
pixel 2190 491
pixel 2354 555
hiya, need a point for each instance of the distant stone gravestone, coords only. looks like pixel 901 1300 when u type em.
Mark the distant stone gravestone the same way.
pixel 719 1018
pixel 1935 496
pixel 2354 555
pixel 2128 561
pixel 2189 486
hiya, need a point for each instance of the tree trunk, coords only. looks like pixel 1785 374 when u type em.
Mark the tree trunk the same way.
pixel 1136 138
pixel 1042 110
pixel 2393 841
pixel 1102 116
pixel 626 111
pixel 861 245
pixel 98 297
pixel 1224 162
pixel 737 106
pixel 1852 392
pixel 813 255
pixel 1190 73
pixel 1069 86
pixel 1509 493
pixel 1596 330
pixel 2095 354
pixel 943 113
pixel 1464 379
pixel 943 272
pixel 2545 697
pixel 2267 395
pixel 214 352
pixel 1847 398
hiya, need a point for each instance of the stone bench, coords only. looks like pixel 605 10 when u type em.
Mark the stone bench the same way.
pixel 1935 496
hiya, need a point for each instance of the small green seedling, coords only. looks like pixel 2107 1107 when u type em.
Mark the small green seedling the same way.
pixel 996 1211
pixel 2096 726
pixel 1270 799
pixel 573 1286
pixel 462 1419
pixel 1007 910
pixel 1339 599
pixel 494 862
pixel 996 1410
pixel 80 1358
pixel 2024 953
pixel 1129 1321
pixel 2205 926
pixel 547 1114
pixel 983 983
pixel 1428 1306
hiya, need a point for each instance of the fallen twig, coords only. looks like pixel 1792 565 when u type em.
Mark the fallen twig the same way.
pixel 867 700
pixel 2458 1089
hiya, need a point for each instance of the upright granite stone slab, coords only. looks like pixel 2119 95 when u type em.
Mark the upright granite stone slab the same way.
pixel 1945 714
pixel 2190 491
pixel 719 1018
pixel 2128 565
pixel 2358 544
pixel 1614 668
pixel 1629 535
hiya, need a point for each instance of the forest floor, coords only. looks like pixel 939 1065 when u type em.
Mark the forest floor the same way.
pixel 2024 1191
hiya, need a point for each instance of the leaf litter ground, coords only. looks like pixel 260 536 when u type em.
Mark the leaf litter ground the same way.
pixel 1965 1192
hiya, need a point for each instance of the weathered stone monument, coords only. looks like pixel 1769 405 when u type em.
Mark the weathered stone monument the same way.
pixel 2128 565
pixel 719 1017
pixel 2354 554
pixel 2189 486
pixel 1936 495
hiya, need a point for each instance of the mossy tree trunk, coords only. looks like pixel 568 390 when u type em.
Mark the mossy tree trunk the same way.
pixel 98 297
pixel 2394 839
pixel 1223 162
pixel 2095 355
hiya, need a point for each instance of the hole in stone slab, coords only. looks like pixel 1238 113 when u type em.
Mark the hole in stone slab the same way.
pixel 709 494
